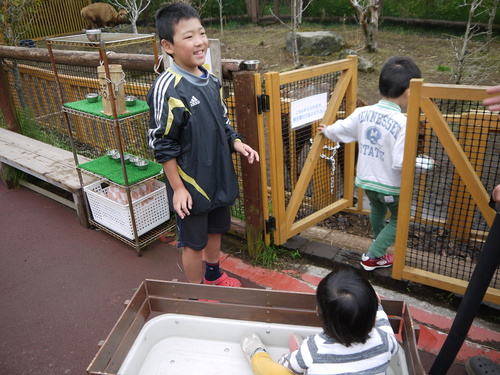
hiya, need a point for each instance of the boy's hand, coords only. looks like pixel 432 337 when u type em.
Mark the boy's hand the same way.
pixel 321 128
pixel 182 202
pixel 246 150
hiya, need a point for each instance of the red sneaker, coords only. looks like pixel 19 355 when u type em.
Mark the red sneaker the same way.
pixel 385 261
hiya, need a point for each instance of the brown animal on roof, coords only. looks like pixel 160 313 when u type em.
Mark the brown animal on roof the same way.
pixel 101 15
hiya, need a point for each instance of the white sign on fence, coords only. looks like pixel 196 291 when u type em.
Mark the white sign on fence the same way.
pixel 307 110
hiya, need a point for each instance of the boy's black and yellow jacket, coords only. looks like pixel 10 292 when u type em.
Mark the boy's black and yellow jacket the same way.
pixel 189 122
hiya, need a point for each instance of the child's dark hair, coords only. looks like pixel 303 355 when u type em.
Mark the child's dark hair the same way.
pixel 395 76
pixel 169 16
pixel 347 306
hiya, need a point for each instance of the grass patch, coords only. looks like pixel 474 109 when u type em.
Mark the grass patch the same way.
pixel 444 68
pixel 31 128
pixel 275 257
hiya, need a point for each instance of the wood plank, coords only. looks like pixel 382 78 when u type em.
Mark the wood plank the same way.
pixel 447 283
pixel 459 159
pixel 240 296
pixel 44 161
pixel 317 216
pixel 317 70
pixel 409 344
pixel 407 177
pixel 238 312
pixel 454 92
pixel 128 339
pixel 57 198
pixel 105 354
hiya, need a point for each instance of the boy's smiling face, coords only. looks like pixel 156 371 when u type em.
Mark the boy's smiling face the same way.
pixel 190 45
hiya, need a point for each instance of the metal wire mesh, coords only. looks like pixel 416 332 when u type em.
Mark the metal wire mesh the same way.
pixel 448 231
pixel 38 103
pixel 326 185
pixel 238 208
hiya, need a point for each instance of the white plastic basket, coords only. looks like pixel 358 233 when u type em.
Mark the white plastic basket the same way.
pixel 149 211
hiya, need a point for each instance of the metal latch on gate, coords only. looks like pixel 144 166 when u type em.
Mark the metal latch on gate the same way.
pixel 262 103
pixel 270 224
pixel 331 158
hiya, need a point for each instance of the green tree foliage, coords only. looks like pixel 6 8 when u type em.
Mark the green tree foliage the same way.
pixel 449 10
pixel 14 15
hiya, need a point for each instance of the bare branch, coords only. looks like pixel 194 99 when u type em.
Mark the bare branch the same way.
pixel 279 19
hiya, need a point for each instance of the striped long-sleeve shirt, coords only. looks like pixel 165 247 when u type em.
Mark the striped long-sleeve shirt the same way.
pixel 321 355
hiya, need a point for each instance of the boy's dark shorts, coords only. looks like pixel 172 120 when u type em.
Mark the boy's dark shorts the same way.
pixel 193 230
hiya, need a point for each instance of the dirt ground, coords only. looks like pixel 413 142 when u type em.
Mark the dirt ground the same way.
pixel 432 51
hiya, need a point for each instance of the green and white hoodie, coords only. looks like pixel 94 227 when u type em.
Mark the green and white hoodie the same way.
pixel 380 131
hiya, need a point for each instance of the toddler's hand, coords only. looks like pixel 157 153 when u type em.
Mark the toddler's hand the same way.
pixel 321 128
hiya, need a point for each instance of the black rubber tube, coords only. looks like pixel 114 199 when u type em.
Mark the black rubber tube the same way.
pixel 479 282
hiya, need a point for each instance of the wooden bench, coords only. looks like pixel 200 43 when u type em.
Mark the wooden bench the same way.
pixel 46 162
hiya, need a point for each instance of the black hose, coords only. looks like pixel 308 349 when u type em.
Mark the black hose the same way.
pixel 479 282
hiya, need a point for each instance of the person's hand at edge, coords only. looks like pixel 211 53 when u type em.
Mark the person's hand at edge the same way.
pixel 493 103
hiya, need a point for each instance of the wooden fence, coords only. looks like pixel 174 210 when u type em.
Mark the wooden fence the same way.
pixel 444 217
pixel 51 18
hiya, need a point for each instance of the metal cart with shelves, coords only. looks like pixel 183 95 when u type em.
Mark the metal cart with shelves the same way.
pixel 94 128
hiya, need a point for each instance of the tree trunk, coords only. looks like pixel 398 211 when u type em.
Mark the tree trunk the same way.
pixel 295 48
pixel 7 106
pixel 372 44
pixel 221 19
pixel 368 17
pixel 469 33
pixel 491 19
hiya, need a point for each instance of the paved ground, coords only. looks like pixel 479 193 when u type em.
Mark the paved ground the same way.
pixel 63 288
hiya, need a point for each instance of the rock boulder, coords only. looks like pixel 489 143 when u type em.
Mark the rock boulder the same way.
pixel 316 43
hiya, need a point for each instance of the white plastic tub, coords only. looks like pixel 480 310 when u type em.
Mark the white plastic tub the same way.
pixel 186 344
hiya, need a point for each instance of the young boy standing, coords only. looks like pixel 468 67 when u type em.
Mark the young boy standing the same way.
pixel 191 136
pixel 380 131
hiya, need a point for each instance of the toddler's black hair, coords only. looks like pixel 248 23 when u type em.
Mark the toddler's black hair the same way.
pixel 169 16
pixel 347 306
pixel 395 76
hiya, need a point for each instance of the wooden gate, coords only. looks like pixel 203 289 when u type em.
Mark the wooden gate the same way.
pixel 444 216
pixel 305 189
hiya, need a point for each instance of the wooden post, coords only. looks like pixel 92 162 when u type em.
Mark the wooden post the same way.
pixel 246 113
pixel 7 103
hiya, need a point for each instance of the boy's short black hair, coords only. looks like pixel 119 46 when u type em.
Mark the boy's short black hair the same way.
pixel 395 76
pixel 169 16
pixel 347 306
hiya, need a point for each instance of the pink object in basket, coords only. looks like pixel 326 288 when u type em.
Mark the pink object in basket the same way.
pixel 150 210
pixel 119 195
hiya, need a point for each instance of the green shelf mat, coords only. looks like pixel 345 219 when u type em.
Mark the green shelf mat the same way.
pixel 112 170
pixel 96 108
